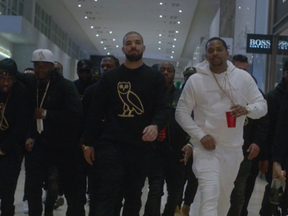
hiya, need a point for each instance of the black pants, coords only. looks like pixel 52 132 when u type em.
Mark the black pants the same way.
pixel 10 165
pixel 174 177
pixel 117 171
pixel 69 163
pixel 191 187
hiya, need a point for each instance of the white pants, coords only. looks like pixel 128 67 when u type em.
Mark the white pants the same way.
pixel 216 172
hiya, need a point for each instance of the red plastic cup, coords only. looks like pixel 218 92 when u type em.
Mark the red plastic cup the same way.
pixel 231 120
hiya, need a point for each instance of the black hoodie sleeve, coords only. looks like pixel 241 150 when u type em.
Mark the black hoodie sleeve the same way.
pixel 280 143
pixel 19 104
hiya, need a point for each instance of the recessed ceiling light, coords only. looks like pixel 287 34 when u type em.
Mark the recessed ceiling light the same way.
pixel 248 8
pixel 96 0
pixel 160 35
pixel 97 35
pixel 79 5
pixel 161 3
pixel 180 11
pixel 159 42
pixel 173 46
pixel 105 48
pixel 86 17
pixel 159 48
pixel 92 27
pixel 108 53
pixel 239 7
pixel 114 39
pixel 110 32
pixel 117 46
pixel 171 57
pixel 178 22
pixel 102 42
pixel 177 32
pixel 160 16
pixel 175 39
pixel 172 51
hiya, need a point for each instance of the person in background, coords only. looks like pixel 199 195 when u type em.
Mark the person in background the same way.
pixel 254 135
pixel 217 87
pixel 274 99
pixel 58 67
pixel 174 151
pixel 84 72
pixel 187 73
pixel 13 124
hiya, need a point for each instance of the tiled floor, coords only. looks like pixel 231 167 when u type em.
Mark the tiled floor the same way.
pixel 253 208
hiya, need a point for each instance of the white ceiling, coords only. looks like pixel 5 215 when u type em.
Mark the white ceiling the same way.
pixel 121 16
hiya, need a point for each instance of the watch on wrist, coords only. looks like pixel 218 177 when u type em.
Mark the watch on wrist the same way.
pixel 43 114
pixel 248 110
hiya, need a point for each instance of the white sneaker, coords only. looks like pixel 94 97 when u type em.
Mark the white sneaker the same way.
pixel 25 207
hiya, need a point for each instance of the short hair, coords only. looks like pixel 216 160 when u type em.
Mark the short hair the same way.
pixel 217 38
pixel 133 32
pixel 116 60
pixel 169 64
pixel 240 58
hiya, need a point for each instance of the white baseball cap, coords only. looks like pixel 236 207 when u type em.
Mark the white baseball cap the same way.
pixel 42 55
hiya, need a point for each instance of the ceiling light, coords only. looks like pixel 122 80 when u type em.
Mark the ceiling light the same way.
pixel 102 42
pixel 159 42
pixel 110 32
pixel 114 39
pixel 160 16
pixel 92 27
pixel 176 32
pixel 97 35
pixel 175 39
pixel 105 48
pixel 95 0
pixel 79 5
pixel 108 53
pixel 239 7
pixel 171 57
pixel 178 22
pixel 248 8
pixel 173 46
pixel 117 46
pixel 159 48
pixel 160 35
pixel 86 17
pixel 161 3
pixel 172 51
pixel 180 11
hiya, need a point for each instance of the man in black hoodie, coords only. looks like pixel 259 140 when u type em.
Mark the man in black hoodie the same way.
pixel 132 99
pixel 53 138
pixel 274 100
pixel 13 122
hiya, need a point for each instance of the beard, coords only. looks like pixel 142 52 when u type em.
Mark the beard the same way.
pixel 134 58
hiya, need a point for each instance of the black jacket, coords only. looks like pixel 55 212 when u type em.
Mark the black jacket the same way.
pixel 274 100
pixel 255 132
pixel 15 119
pixel 64 111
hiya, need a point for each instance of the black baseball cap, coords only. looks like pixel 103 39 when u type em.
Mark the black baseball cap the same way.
pixel 8 67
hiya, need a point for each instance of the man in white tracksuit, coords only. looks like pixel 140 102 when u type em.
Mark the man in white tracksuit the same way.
pixel 217 87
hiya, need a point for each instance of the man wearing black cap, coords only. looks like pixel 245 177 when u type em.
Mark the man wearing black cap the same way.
pixel 52 142
pixel 187 73
pixel 13 121
pixel 84 72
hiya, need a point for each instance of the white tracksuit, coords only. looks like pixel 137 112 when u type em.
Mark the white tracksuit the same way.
pixel 216 170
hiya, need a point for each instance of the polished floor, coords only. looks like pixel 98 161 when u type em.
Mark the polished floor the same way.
pixel 253 208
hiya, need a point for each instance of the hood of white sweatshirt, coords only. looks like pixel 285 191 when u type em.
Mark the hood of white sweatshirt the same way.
pixel 203 67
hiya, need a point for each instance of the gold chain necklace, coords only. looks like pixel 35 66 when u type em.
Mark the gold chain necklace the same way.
pixel 3 111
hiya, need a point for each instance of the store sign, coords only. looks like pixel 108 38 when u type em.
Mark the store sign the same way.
pixel 282 45
pixel 257 43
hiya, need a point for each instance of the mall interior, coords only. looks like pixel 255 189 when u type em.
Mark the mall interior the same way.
pixel 173 30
